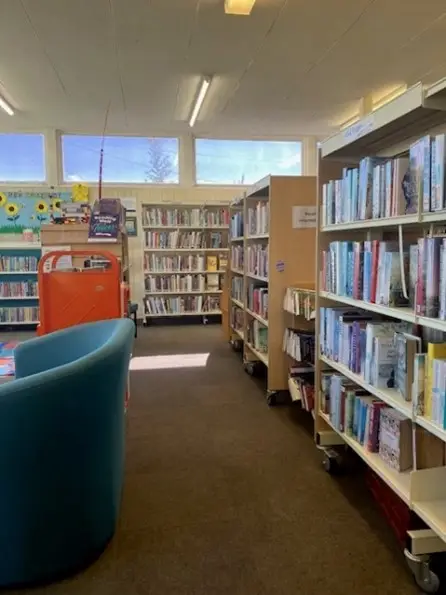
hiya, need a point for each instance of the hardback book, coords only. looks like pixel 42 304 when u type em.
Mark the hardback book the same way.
pixel 395 439
pixel 432 306
pixel 418 383
pixel 442 281
pixel 440 172
pixel 420 301
pixel 426 143
pixel 401 187
pixel 416 162
pixel 406 346
pixel 434 351
pixel 212 263
pixel 392 291
pixel 383 369
pixel 438 391
pixel 433 174
pixel 413 272
pixel 388 183
pixel 373 429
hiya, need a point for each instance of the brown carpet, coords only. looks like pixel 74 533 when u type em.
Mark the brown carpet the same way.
pixel 226 496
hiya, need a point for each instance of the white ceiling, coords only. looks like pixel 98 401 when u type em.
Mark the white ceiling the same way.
pixel 293 67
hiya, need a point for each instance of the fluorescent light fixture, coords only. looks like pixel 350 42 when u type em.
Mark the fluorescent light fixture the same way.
pixel 205 83
pixel 5 106
pixel 243 7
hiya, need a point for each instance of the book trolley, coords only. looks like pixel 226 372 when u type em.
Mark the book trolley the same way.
pixel 392 131
pixel 272 235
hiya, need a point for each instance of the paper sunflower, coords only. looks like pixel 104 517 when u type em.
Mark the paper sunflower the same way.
pixel 12 209
pixel 41 207
pixel 56 205
pixel 3 199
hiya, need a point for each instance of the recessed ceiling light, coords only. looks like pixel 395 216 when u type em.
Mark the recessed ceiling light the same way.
pixel 242 7
pixel 5 106
pixel 204 87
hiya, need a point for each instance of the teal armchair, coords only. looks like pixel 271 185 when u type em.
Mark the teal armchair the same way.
pixel 62 450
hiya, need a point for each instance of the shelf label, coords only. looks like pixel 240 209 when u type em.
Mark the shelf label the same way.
pixel 304 217
pixel 359 129
pixel 280 266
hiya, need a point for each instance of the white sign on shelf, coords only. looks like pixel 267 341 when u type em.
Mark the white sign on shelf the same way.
pixel 304 217
pixel 359 129
pixel 64 262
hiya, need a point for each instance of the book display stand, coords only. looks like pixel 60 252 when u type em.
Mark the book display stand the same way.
pixel 272 235
pixel 380 299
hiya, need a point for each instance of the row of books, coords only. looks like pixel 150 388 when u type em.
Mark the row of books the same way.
pixel 377 188
pixel 300 302
pixel 180 282
pixel 377 427
pixel 257 260
pixel 257 335
pixel 363 342
pixel 186 263
pixel 258 300
pixel 237 227
pixel 237 288
pixel 427 171
pixel 182 239
pixel 18 263
pixel 258 219
pixel 196 217
pixel 299 345
pixel 19 314
pixel 18 289
pixel 161 216
pixel 373 271
pixel 237 257
pixel 378 272
pixel 181 305
pixel 237 318
pixel 428 373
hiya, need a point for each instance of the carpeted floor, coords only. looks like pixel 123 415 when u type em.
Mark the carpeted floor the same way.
pixel 226 496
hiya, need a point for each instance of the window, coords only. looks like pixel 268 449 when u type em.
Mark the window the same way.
pixel 245 161
pixel 127 160
pixel 22 158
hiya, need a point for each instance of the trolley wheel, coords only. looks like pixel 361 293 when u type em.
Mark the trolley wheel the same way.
pixel 271 398
pixel 331 462
pixel 420 566
pixel 250 368
pixel 237 345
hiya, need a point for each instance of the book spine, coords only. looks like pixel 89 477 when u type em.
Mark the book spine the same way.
pixel 374 270
pixel 420 304
pixel 426 172
pixel 432 276
pixel 440 157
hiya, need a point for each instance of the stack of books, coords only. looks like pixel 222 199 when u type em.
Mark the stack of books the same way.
pixel 20 314
pixel 16 264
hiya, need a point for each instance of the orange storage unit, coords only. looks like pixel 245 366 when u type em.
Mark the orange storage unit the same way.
pixel 81 295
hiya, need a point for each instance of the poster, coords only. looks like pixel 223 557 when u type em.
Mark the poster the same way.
pixel 105 220
pixel 28 210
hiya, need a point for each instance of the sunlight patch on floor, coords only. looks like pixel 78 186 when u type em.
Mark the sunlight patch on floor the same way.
pixel 166 362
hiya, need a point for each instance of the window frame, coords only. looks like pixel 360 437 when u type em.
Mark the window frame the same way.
pixel 137 185
pixel 278 138
pixel 30 183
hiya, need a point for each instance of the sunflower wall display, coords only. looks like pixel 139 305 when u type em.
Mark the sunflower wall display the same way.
pixel 28 210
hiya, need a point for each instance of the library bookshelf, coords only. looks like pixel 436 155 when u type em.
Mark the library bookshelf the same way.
pixel 19 297
pixel 270 224
pixel 357 174
pixel 185 258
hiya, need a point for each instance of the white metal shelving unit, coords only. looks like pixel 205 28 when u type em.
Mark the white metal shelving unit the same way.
pixel 197 217
pixel 388 132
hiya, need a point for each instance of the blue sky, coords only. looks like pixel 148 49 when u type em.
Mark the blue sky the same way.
pixel 141 160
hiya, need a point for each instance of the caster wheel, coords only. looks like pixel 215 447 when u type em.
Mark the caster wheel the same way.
pixel 237 345
pixel 331 463
pixel 271 399
pixel 428 584
pixel 250 369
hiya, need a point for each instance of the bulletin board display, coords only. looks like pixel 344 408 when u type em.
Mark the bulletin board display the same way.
pixel 28 210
